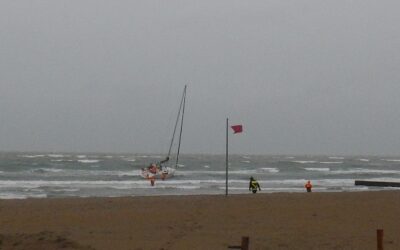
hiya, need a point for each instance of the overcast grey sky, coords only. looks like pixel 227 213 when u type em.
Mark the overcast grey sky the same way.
pixel 303 77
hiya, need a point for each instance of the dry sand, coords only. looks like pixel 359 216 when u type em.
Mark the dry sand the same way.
pixel 272 221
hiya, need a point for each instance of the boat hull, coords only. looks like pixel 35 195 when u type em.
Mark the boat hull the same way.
pixel 165 173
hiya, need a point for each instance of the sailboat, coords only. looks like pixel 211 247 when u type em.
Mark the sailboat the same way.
pixel 162 170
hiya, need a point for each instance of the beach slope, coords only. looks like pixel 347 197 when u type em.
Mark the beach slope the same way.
pixel 272 221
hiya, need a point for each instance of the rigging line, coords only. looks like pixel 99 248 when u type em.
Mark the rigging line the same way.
pixel 180 133
pixel 176 123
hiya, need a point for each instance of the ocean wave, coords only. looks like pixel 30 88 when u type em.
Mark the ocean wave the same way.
pixel 365 171
pixel 366 160
pixel 188 187
pixel 47 170
pixel 65 190
pixel 72 173
pixel 88 161
pixel 245 161
pixel 206 166
pixel 61 160
pixel 270 190
pixel 331 162
pixel 32 184
pixel 32 156
pixel 304 162
pixel 318 169
pixel 197 172
pixel 14 195
pixel 270 170
pixel 391 160
pixel 336 157
pixel 129 159
pixel 55 155
pixel 334 182
pixel 81 156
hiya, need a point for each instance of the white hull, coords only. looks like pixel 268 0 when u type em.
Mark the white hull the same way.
pixel 165 173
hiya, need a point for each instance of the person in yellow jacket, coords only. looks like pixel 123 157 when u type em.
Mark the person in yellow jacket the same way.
pixel 308 186
pixel 253 185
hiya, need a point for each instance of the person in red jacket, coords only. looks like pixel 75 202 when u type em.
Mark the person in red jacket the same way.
pixel 308 186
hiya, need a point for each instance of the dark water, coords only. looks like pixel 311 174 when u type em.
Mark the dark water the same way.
pixel 25 175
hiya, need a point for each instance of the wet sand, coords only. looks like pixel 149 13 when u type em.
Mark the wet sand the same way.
pixel 272 221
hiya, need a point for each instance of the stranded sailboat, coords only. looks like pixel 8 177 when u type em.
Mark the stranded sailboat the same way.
pixel 161 170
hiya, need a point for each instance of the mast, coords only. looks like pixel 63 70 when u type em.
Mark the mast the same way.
pixel 180 133
pixel 177 120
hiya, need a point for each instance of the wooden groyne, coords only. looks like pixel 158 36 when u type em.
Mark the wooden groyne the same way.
pixel 377 183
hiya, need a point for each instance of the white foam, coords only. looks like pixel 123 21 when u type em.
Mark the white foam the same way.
pixel 233 172
pixel 188 187
pixel 32 156
pixel 7 196
pixel 304 162
pixel 53 170
pixel 336 157
pixel 365 171
pixel 331 162
pixel 245 161
pixel 270 170
pixel 334 182
pixel 206 166
pixel 391 160
pixel 88 161
pixel 81 156
pixel 65 190
pixel 55 155
pixel 318 169
pixel 130 159
pixel 252 171
pixel 34 184
pixel 61 160
pixel 366 160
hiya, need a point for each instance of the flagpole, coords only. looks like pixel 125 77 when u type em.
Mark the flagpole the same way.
pixel 226 159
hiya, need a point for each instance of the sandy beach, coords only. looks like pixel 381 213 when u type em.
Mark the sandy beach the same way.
pixel 272 221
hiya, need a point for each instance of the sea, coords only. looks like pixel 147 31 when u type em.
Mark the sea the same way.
pixel 48 175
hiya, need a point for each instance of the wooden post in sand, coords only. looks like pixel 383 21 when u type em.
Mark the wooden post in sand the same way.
pixel 245 243
pixel 379 236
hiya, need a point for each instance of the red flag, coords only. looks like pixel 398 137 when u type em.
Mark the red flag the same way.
pixel 237 129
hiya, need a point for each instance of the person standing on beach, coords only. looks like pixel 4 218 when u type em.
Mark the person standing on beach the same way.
pixel 308 186
pixel 253 185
